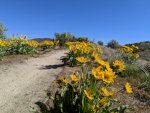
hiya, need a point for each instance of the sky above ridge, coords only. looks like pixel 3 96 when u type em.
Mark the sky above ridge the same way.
pixel 127 21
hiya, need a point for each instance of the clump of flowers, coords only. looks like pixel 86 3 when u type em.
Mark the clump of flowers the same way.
pixel 82 59
pixel 89 92
pixel 18 45
pixel 80 49
pixel 48 44
pixel 119 65
pixel 21 45
pixel 128 54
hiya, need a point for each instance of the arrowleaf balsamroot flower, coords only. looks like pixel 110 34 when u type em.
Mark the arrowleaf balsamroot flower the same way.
pixel 95 55
pixel 107 93
pixel 108 76
pixel 137 55
pixel 65 81
pixel 88 93
pixel 119 64
pixel 97 73
pixel 71 47
pixel 93 107
pixel 128 88
pixel 101 62
pixel 102 102
pixel 74 78
pixel 82 59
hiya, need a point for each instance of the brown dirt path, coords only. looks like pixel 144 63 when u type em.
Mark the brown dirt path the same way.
pixel 22 84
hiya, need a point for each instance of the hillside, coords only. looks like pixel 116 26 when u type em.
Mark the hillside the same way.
pixel 144 49
pixel 42 39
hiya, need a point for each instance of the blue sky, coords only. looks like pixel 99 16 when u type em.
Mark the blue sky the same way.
pixel 126 21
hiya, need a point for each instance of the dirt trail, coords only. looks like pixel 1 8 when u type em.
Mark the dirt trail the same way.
pixel 23 84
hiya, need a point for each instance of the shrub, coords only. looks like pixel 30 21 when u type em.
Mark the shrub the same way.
pixel 147 85
pixel 2 30
pixel 82 39
pixel 128 54
pixel 64 37
pixel 131 70
pixel 78 49
pixel 61 37
pixel 100 43
pixel 113 44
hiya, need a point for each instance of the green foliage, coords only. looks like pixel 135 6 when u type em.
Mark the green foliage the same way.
pixel 113 44
pixel 70 59
pixel 128 59
pixel 131 70
pixel 82 39
pixel 100 43
pixel 65 101
pixel 2 30
pixel 68 37
pixel 147 85
pixel 2 52
pixel 46 47
pixel 64 37
pixel 20 49
pixel 61 37
pixel 73 39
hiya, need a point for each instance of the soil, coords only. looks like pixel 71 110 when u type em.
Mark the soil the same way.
pixel 25 81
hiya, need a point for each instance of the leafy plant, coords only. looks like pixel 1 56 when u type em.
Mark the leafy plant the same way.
pixel 100 43
pixel 131 70
pixel 113 44
pixel 128 54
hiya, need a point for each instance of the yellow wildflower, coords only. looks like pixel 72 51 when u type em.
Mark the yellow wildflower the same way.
pixel 93 107
pixel 97 73
pixel 133 45
pixel 136 47
pixel 74 78
pixel 106 93
pixel 95 55
pixel 102 102
pixel 101 62
pixel 113 95
pixel 119 64
pixel 128 88
pixel 82 59
pixel 75 51
pixel 65 81
pixel 108 76
pixel 71 47
pixel 88 94
pixel 137 55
